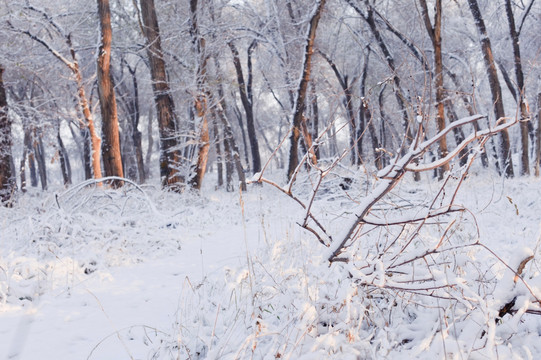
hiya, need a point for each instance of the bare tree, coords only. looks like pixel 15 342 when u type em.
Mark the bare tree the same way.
pixel 299 122
pixel 165 108
pixel 434 31
pixel 201 99
pixel 74 67
pixel 246 97
pixel 538 137
pixel 521 98
pixel 7 179
pixel 495 88
pixel 110 147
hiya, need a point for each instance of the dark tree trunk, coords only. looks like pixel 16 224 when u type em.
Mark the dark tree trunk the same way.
pixel 365 116
pixel 538 137
pixel 229 161
pixel 243 132
pixel 398 92
pixel 39 151
pixel 150 144
pixel 136 134
pixel 524 157
pixel 30 153
pixel 64 160
pixel 110 147
pixel 314 120
pixel 219 155
pixel 495 88
pixel 87 153
pixel 245 90
pixel 7 178
pixel 165 109
pixel 232 153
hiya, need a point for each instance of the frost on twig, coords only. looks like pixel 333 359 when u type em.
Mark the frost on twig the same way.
pixel 390 176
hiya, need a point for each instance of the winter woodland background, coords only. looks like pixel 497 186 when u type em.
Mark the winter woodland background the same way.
pixel 267 179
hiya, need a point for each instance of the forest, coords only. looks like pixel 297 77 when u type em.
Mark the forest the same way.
pixel 265 179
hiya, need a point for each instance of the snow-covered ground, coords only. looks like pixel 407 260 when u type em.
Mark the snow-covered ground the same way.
pixel 138 273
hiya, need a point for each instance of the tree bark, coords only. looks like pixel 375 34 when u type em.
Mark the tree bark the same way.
pixel 165 109
pixel 219 154
pixel 538 137
pixel 136 134
pixel 314 120
pixel 112 160
pixel 435 35
pixel 65 165
pixel 201 101
pixel 232 153
pixel 245 90
pixel 39 151
pixel 231 145
pixel 7 179
pixel 495 88
pixel 525 160
pixel 150 144
pixel 365 116
pixel 298 117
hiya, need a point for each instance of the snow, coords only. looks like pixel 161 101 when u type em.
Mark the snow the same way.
pixel 139 273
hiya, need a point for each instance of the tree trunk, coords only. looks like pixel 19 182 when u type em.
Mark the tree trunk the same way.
pixel 83 102
pixel 245 90
pixel 314 119
pixel 29 152
pixel 200 102
pixel 112 160
pixel 204 142
pixel 231 145
pixel 365 116
pixel 298 117
pixel 87 153
pixel 232 153
pixel 495 88
pixel 165 109
pixel 39 151
pixel 538 136
pixel 228 166
pixel 219 155
pixel 398 92
pixel 136 134
pixel 435 35
pixel 7 178
pixel 525 160
pixel 355 132
pixel 64 159
pixel 150 144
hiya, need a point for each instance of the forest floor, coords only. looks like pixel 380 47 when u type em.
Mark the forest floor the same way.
pixel 139 273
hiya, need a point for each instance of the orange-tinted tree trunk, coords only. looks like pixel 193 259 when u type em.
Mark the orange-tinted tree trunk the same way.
pixel 298 116
pixel 435 35
pixel 110 147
